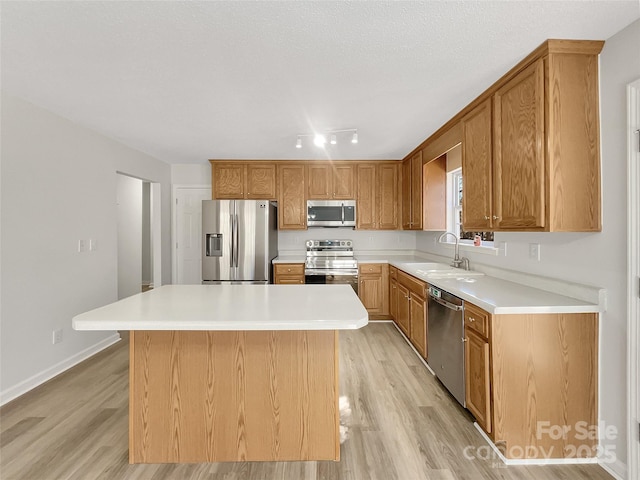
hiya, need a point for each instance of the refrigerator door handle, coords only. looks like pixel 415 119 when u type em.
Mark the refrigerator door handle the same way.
pixel 232 249
pixel 235 250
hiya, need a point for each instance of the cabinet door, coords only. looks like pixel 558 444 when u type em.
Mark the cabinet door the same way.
pixel 387 185
pixel 228 181
pixel 406 194
pixel 478 395
pixel 261 182
pixel 418 327
pixel 476 168
pixel 393 300
pixel 343 182
pixel 519 170
pixel 366 200
pixel 319 178
pixel 370 292
pixel 416 191
pixel 292 205
pixel 434 195
pixel 403 309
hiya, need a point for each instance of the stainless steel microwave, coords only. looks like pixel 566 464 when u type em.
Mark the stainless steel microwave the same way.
pixel 331 213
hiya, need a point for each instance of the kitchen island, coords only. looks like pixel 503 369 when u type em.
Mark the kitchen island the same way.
pixel 232 372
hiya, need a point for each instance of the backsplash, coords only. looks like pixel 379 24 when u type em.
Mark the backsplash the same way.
pixel 363 240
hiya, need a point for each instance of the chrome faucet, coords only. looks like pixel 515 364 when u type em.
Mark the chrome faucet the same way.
pixel 457 261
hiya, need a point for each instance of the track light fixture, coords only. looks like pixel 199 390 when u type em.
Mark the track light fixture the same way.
pixel 320 139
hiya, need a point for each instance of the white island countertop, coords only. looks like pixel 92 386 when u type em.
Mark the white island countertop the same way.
pixel 231 307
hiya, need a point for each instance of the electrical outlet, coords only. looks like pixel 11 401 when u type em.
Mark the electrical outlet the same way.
pixel 534 251
pixel 81 246
pixel 93 244
pixel 57 336
pixel 502 249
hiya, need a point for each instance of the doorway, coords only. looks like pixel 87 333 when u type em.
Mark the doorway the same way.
pixel 138 232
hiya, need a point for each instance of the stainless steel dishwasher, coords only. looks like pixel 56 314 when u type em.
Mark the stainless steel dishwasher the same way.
pixel 445 339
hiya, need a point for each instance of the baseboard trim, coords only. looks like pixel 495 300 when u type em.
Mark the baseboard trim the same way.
pixel 617 469
pixel 532 461
pixel 39 378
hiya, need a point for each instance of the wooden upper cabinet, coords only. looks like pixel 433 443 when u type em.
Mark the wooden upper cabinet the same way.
pixel 530 149
pixel 261 182
pixel 228 180
pixel 367 213
pixel 519 170
pixel 343 182
pixel 292 206
pixel 387 194
pixel 406 194
pixel 377 187
pixel 412 192
pixel 434 194
pixel 416 191
pixel 243 180
pixel 477 174
pixel 319 178
pixel 327 181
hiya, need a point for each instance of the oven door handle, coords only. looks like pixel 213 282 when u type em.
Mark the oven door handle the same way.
pixel 335 273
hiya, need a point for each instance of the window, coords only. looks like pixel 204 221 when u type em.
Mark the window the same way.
pixel 455 199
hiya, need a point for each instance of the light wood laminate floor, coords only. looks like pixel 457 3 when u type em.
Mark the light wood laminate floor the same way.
pixel 404 426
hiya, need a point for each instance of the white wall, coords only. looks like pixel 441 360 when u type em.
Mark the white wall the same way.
pixel 592 258
pixel 187 174
pixel 59 186
pixel 129 226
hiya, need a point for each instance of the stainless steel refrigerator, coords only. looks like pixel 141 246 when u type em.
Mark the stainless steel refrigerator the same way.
pixel 240 238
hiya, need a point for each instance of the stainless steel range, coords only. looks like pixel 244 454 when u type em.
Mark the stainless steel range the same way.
pixel 331 262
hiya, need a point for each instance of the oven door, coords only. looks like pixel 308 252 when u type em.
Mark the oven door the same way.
pixel 332 277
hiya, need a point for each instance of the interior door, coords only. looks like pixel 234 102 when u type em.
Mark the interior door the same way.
pixel 188 235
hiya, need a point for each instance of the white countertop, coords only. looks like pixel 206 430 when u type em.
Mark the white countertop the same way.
pixel 493 294
pixel 231 307
pixel 292 258
pixel 500 296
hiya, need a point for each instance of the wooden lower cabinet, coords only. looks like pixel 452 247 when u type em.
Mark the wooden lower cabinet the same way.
pixel 288 273
pixel 418 320
pixel 478 388
pixel 373 289
pixel 529 376
pixel 404 312
pixel 411 308
pixel 393 293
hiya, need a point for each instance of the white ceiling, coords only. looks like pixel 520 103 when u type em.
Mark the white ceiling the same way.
pixel 189 81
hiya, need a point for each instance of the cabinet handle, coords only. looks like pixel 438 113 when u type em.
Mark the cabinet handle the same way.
pixel 486 217
pixel 464 339
pixel 496 217
pixel 471 319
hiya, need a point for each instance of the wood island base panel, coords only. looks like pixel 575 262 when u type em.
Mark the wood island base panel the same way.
pixel 220 396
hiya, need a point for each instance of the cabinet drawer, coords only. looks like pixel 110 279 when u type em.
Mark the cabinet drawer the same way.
pixel 393 272
pixel 289 268
pixel 289 280
pixel 476 319
pixel 373 268
pixel 413 284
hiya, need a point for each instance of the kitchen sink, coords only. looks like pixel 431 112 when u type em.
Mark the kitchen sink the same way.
pixel 442 270
pixel 456 273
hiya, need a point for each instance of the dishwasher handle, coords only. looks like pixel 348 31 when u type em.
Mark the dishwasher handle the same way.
pixel 444 303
